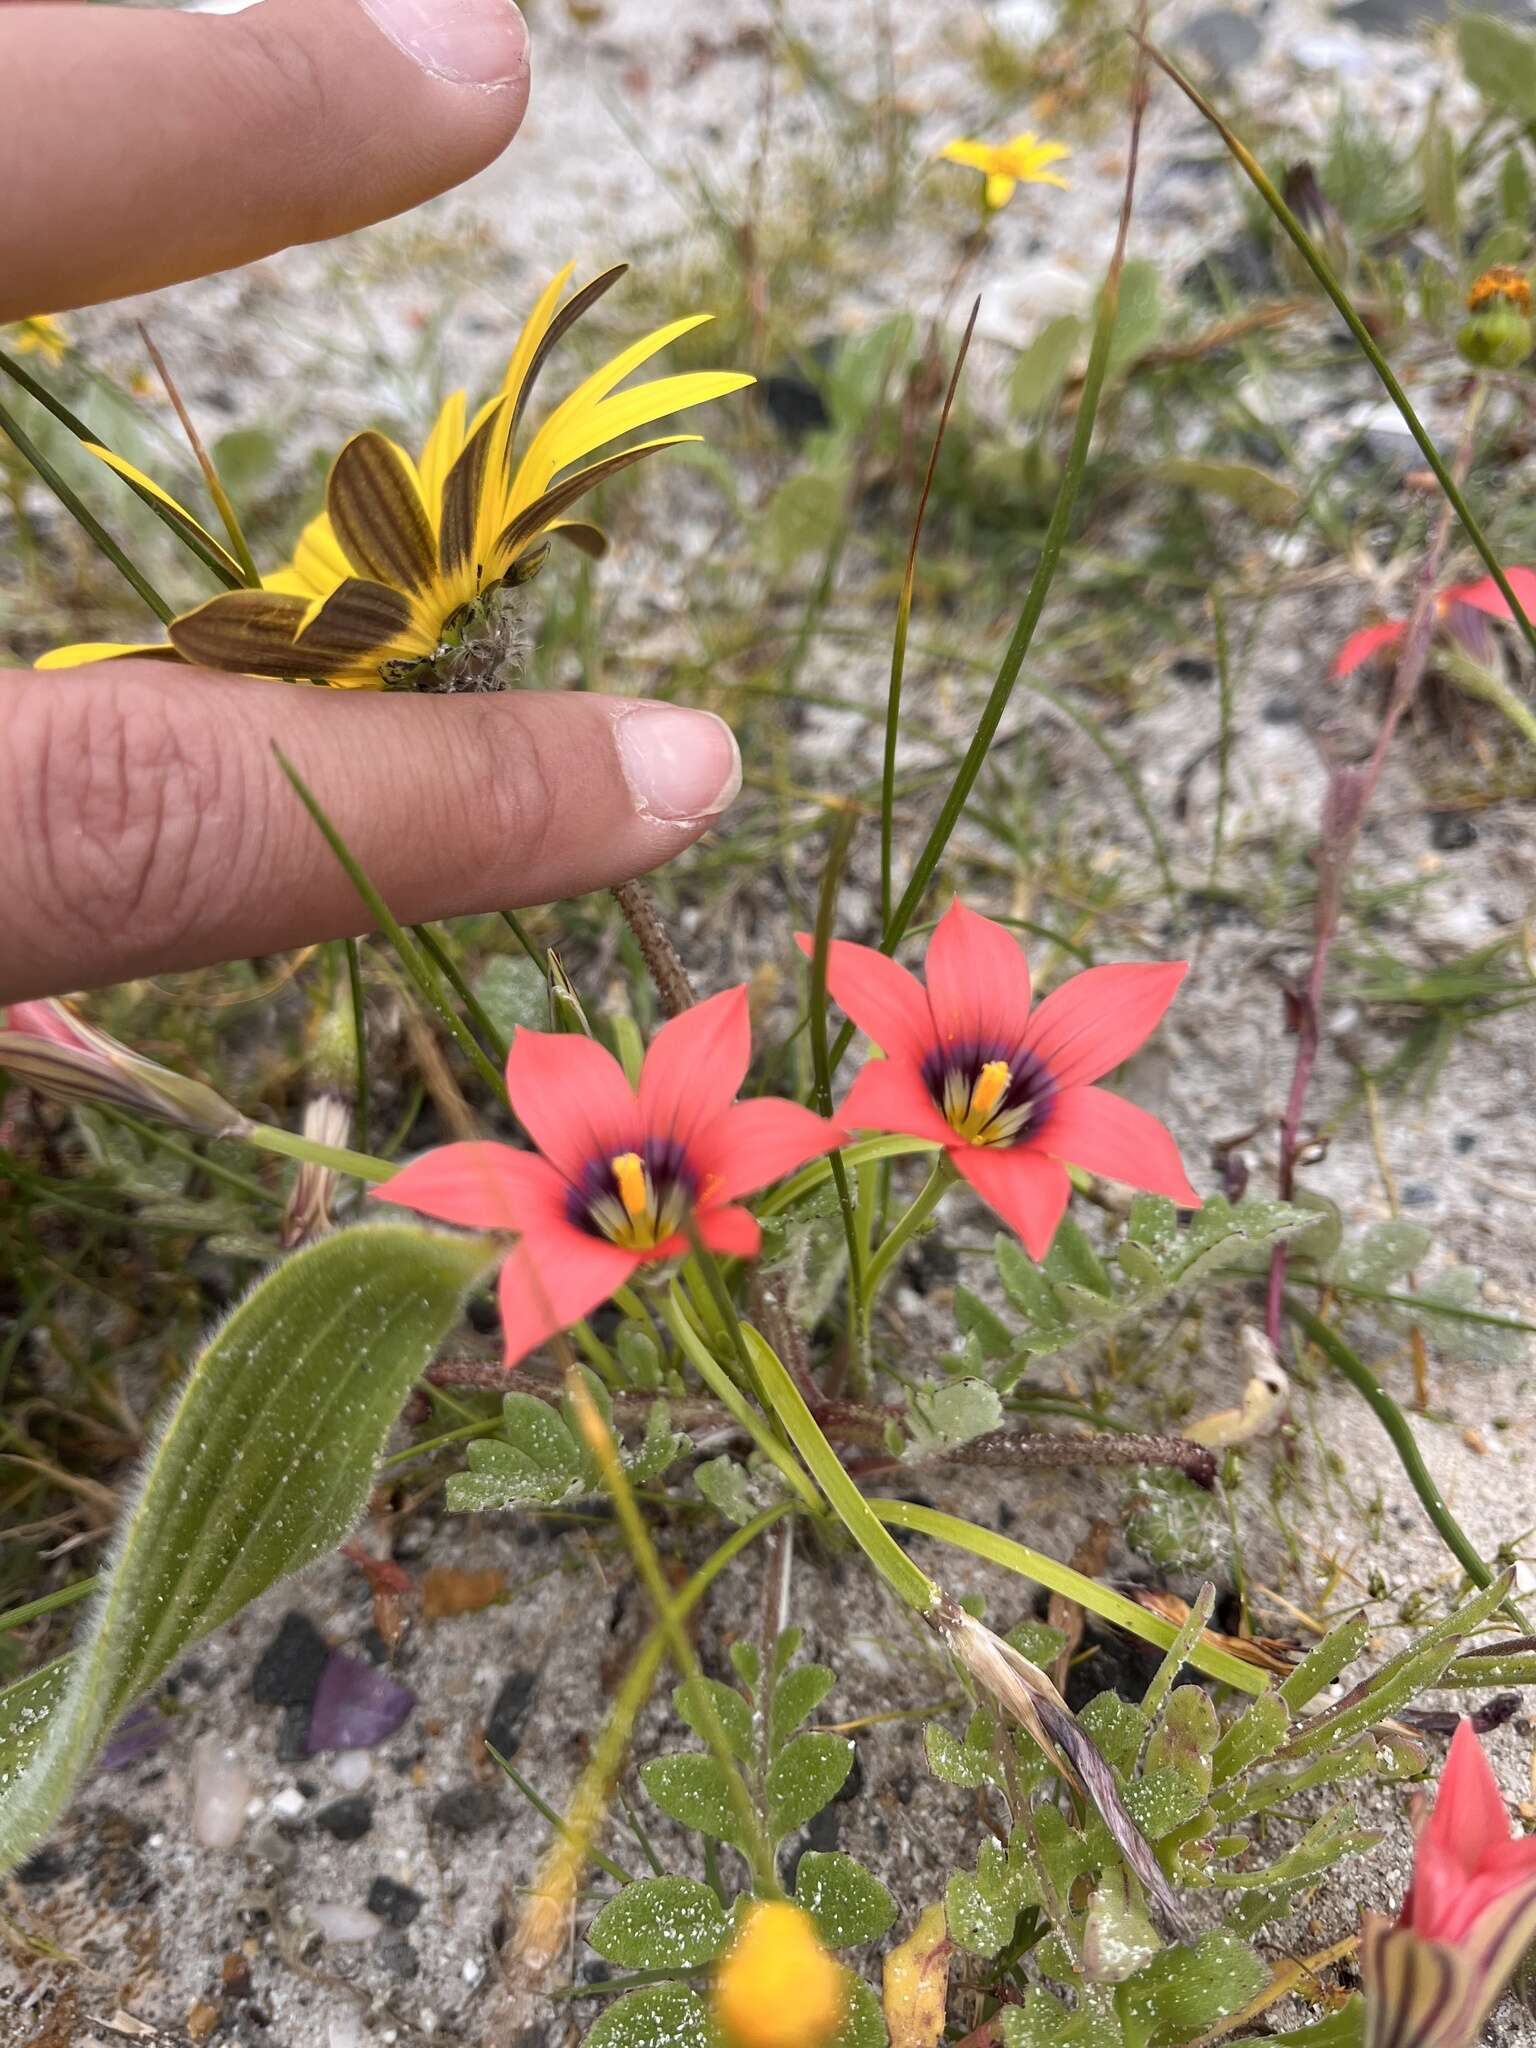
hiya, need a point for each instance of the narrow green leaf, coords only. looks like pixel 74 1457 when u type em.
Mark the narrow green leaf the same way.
pixel 264 1464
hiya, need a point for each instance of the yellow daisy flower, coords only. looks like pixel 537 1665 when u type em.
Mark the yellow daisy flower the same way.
pixel 1022 160
pixel 40 335
pixel 406 579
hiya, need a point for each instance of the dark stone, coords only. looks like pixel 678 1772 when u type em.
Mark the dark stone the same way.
pixel 509 1715
pixel 483 1314
pixel 398 1957
pixel 46 1867
pixel 288 1670
pixel 347 1819
pixel 466 1809
pixel 1464 1141
pixel 373 1646
pixel 1450 831
pixel 293 1735
pixel 1192 668
pixel 394 1903
pixel 1418 1194
pixel 1280 711
pixel 793 403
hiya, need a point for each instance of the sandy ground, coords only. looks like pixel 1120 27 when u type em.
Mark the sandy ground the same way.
pixel 150 1920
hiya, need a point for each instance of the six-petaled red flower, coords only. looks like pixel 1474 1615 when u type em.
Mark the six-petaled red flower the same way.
pixel 1433 1975
pixel 1006 1090
pixel 619 1171
pixel 1482 596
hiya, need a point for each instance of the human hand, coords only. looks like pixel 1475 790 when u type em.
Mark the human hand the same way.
pixel 148 825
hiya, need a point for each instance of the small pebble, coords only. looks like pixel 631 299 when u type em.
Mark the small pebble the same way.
pixel 346 2032
pixel 393 1902
pixel 287 1804
pixel 509 1715
pixel 347 1819
pixel 288 1670
pixel 466 1808
pixel 1450 831
pixel 220 1793
pixel 352 1769
pixel 46 1867
pixel 398 1957
pixel 345 1923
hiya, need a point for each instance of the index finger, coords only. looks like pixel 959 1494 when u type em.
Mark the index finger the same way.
pixel 142 146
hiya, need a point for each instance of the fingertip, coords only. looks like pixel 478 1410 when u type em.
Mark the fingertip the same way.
pixel 462 42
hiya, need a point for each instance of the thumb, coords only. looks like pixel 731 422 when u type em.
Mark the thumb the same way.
pixel 144 145
pixel 151 827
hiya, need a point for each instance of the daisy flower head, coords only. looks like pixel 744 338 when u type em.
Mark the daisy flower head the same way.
pixel 1007 1088
pixel 619 1173
pixel 1022 160
pixel 408 578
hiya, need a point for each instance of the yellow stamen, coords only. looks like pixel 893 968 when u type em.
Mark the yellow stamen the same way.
pixel 991 1086
pixel 630 1180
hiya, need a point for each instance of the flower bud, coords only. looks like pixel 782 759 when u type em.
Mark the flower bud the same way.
pixel 1499 335
pixel 47 1047
pixel 777 1986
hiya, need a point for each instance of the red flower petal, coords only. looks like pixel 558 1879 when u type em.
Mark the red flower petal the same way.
pixel 1028 1190
pixel 1468 1822
pixel 695 1067
pixel 48 1019
pixel 754 1143
pixel 1359 647
pixel 978 980
pixel 552 1279
pixel 571 1097
pixel 1092 1022
pixel 890 1095
pixel 1106 1134
pixel 731 1231
pixel 487 1187
pixel 1486 596
pixel 884 1000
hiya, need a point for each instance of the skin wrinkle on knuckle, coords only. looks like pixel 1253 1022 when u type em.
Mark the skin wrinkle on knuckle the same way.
pixel 517 809
pixel 131 818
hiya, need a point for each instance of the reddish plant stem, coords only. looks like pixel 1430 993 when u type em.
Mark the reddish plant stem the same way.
pixel 656 948
pixel 1349 796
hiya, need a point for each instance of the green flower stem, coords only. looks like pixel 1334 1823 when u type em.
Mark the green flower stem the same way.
pixel 598 1356
pixel 1318 264
pixel 1051 548
pixel 726 1391
pixel 886 1146
pixel 594 1789
pixel 188 1154
pixel 1060 1578
pixel 360 1092
pixel 903 622
pixel 362 1165
pixel 50 1603
pixel 448 967
pixel 515 926
pixel 1391 1417
pixel 413 959
pixel 825 908
pixel 76 506
pixel 910 1585
pixel 754 1842
pixel 906 1227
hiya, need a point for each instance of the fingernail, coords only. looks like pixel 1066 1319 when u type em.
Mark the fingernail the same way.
pixel 680 765
pixel 467 42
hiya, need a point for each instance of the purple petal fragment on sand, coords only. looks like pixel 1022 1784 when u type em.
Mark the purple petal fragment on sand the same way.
pixel 139 1734
pixel 356 1706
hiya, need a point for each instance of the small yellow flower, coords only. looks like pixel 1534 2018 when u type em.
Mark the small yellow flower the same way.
pixel 1021 160
pixel 1504 282
pixel 777 1986
pixel 41 335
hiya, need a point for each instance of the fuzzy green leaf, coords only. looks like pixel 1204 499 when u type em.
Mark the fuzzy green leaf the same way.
pixel 661 2014
pixel 693 1790
pixel 848 1904
pixel 1500 60
pixel 264 1463
pixel 804 1777
pixel 724 1483
pixel 864 2025
pixel 733 1712
pixel 796 1697
pixel 661 1923
pixel 1183 1991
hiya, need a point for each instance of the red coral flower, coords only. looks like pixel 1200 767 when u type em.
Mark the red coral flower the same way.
pixel 1433 1975
pixel 617 1171
pixel 1005 1090
pixel 1482 596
